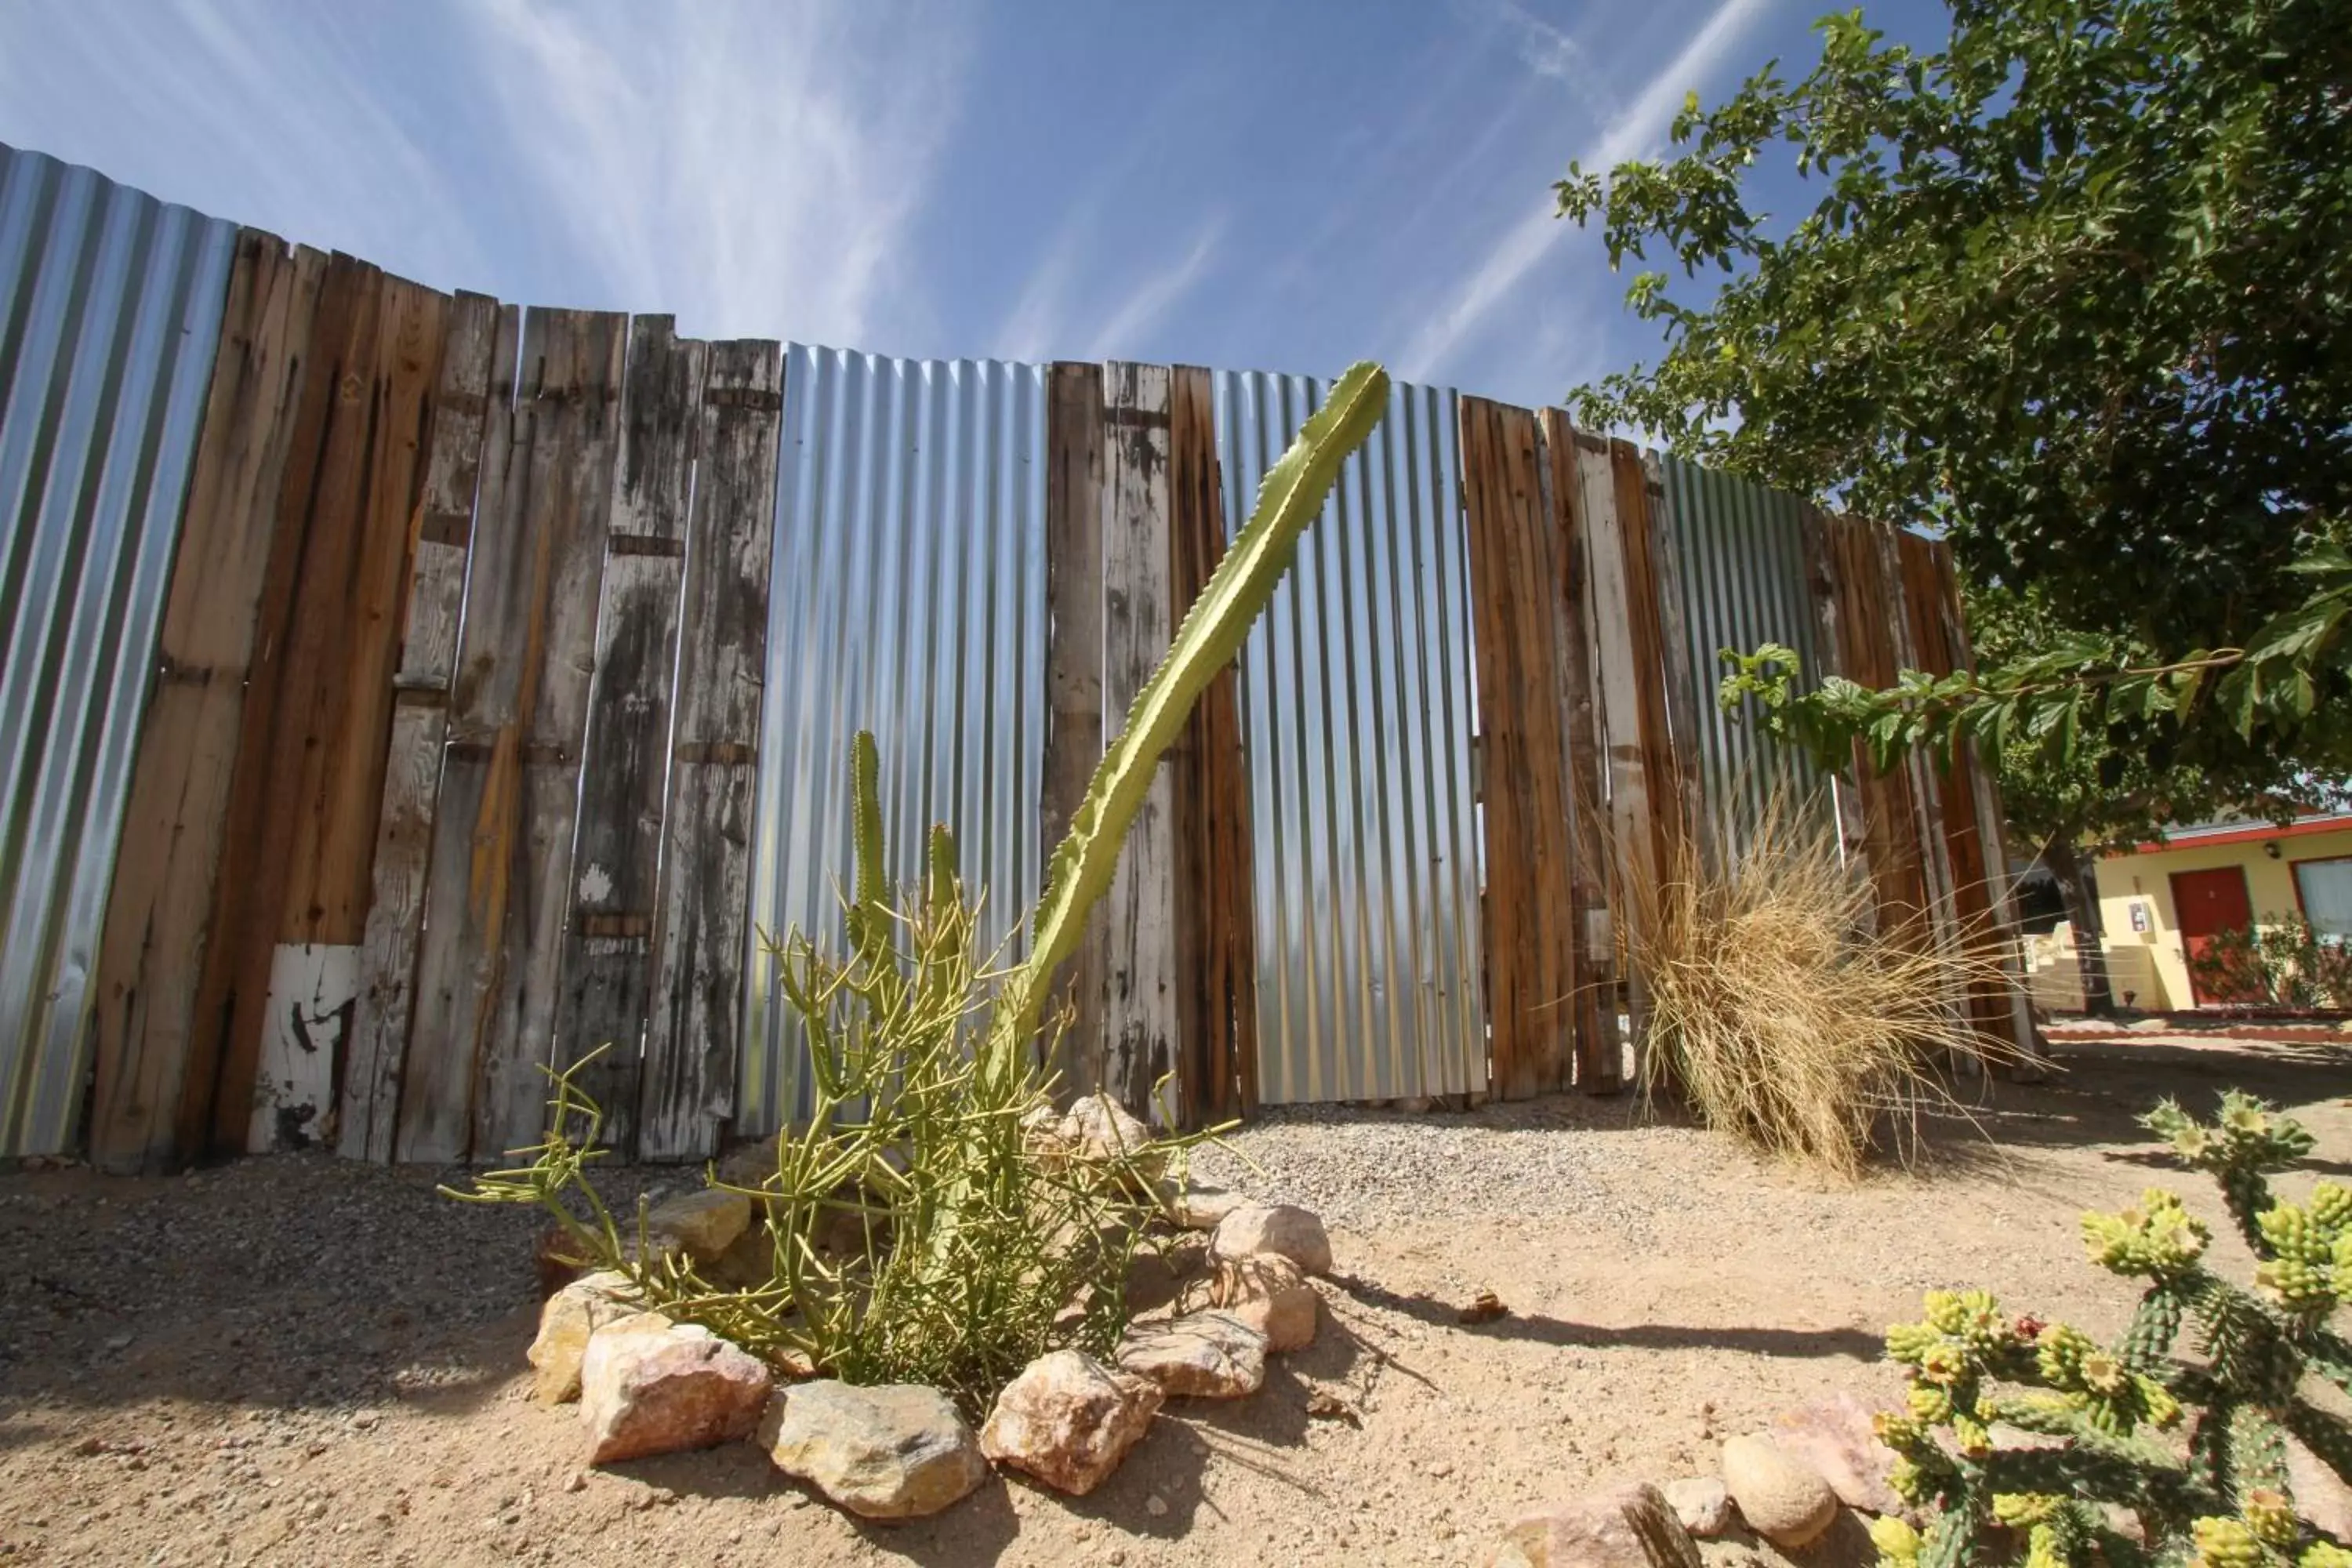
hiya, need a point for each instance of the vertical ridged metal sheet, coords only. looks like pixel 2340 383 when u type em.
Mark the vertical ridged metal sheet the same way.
pixel 1358 714
pixel 111 307
pixel 1743 584
pixel 909 599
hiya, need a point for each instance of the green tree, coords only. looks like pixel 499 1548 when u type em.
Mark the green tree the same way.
pixel 2076 290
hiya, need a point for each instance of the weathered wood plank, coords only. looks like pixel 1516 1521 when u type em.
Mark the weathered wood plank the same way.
pixel 1531 968
pixel 353 624
pixel 1681 694
pixel 477 332
pixel 608 944
pixel 1216 954
pixel 1823 583
pixel 294 656
pixel 1599 1058
pixel 472 1081
pixel 1074 686
pixel 702 935
pixel 1869 657
pixel 1138 1009
pixel 1669 830
pixel 576 441
pixel 1633 865
pixel 153 950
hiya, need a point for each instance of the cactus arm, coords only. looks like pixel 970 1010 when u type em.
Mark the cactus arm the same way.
pixel 868 921
pixel 1211 637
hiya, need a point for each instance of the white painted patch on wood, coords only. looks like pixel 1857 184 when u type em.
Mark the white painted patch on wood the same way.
pixel 313 994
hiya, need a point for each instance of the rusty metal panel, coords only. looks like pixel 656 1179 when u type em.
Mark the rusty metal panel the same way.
pixel 1743 581
pixel 111 306
pixel 909 594
pixel 1358 716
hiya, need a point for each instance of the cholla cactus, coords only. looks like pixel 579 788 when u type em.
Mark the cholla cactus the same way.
pixel 2195 1451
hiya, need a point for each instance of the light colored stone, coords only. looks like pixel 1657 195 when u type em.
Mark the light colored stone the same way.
pixel 2320 1494
pixel 894 1452
pixel 1068 1420
pixel 1703 1503
pixel 566 1320
pixel 703 1223
pixel 1270 1293
pixel 1207 1355
pixel 1836 1436
pixel 1198 1207
pixel 1631 1527
pixel 1783 1498
pixel 651 1386
pixel 1280 1228
pixel 1101 1129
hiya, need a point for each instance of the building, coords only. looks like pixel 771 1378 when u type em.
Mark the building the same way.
pixel 2162 901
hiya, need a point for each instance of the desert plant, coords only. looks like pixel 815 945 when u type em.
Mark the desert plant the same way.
pixel 2100 1416
pixel 2279 962
pixel 1781 1011
pixel 981 1238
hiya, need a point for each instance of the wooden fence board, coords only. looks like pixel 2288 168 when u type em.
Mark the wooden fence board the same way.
pixel 1823 584
pixel 1681 694
pixel 440 533
pixel 1138 1008
pixel 1637 523
pixel 1216 954
pixel 173 825
pixel 576 441
pixel 1600 1064
pixel 608 944
pixel 1074 688
pixel 1532 972
pixel 702 934
pixel 1866 653
pixel 1633 865
pixel 311 544
pixel 355 598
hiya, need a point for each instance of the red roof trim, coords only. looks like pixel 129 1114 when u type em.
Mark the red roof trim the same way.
pixel 2249 834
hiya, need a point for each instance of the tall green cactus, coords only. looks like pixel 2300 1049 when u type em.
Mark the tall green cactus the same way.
pixel 1211 637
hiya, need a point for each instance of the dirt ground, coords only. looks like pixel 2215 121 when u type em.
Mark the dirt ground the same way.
pixel 300 1362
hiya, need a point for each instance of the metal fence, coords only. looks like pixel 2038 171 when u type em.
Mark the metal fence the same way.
pixel 1742 555
pixel 1358 716
pixel 909 599
pixel 111 306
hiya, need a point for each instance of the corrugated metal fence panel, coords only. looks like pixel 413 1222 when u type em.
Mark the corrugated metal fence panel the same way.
pixel 109 310
pixel 1358 715
pixel 1743 561
pixel 909 599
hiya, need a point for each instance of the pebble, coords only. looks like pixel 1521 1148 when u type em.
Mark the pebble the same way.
pixel 1156 1506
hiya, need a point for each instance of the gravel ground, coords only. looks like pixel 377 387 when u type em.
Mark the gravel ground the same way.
pixel 297 1360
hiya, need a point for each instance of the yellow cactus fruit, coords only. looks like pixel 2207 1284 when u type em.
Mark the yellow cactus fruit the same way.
pixel 2225 1544
pixel 2324 1554
pixel 2270 1516
pixel 1898 1542
pixel 2024 1508
pixel 2331 1208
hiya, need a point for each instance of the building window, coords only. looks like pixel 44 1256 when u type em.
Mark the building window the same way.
pixel 2325 889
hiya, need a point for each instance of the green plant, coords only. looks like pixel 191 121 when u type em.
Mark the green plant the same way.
pixel 1784 1016
pixel 927 1223
pixel 2278 962
pixel 2102 1417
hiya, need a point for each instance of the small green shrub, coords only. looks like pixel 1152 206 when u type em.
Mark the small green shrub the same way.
pixel 2282 963
pixel 2194 1448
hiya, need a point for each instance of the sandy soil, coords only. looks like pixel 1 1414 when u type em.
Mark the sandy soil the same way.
pixel 294 1361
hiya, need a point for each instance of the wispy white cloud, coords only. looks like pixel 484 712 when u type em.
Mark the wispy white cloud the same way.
pixel 756 168
pixel 1058 316
pixel 1548 51
pixel 1133 320
pixel 243 110
pixel 1636 131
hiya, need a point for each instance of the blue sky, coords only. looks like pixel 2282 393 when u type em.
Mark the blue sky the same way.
pixel 1234 183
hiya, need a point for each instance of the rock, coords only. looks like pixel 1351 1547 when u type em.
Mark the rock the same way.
pixel 749 1260
pixel 1068 1420
pixel 1270 1293
pixel 1278 1228
pixel 651 1386
pixel 703 1223
pixel 555 1255
pixel 1101 1129
pixel 1703 1503
pixel 566 1320
pixel 1208 1355
pixel 1835 1437
pixel 894 1452
pixel 1631 1527
pixel 1198 1207
pixel 1783 1498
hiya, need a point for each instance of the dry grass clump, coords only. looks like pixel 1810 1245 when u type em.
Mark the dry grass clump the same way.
pixel 1785 1018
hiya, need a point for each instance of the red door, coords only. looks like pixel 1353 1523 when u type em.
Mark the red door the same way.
pixel 2206 903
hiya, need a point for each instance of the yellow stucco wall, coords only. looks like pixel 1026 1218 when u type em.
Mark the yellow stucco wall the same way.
pixel 2151 962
